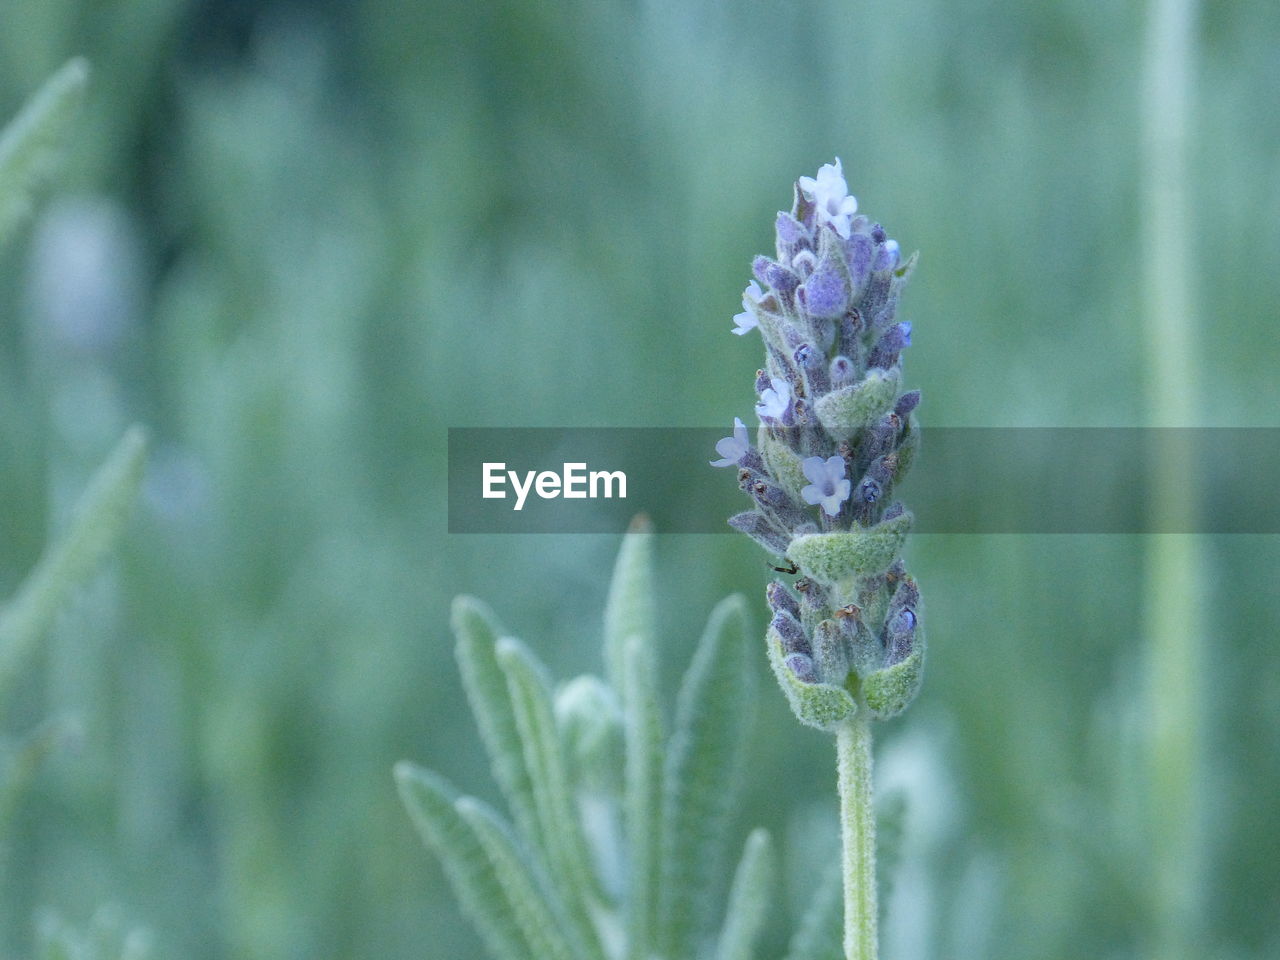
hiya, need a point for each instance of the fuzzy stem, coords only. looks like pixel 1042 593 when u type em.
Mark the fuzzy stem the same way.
pixel 858 835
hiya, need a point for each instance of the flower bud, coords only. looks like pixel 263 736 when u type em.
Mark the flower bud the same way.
pixel 815 703
pixel 782 280
pixel 813 596
pixel 886 256
pixel 830 652
pixel 780 599
pixel 802 666
pixel 842 371
pixel 859 255
pixel 825 293
pixel 813 367
pixel 758 527
pixel 790 634
pixel 790 231
pixel 906 403
pixel 894 341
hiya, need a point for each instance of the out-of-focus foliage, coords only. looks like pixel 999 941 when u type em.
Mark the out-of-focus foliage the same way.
pixel 616 843
pixel 300 240
pixel 32 142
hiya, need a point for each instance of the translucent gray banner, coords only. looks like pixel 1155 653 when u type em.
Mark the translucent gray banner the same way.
pixel 964 480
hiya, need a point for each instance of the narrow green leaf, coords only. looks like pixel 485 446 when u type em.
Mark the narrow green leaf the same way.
pixel 589 716
pixel 702 773
pixel 529 894
pixel 820 935
pixel 30 144
pixel 642 716
pixel 96 522
pixel 748 899
pixel 430 801
pixel 477 631
pixel 565 846
pixel 631 606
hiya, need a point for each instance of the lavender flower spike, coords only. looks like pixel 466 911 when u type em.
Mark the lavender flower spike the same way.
pixel 832 411
pixel 834 418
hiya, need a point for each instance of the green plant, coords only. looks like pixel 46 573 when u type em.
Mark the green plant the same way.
pixel 32 143
pixel 846 642
pixel 618 830
pixel 30 147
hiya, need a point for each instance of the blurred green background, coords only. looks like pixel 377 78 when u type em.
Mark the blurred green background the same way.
pixel 299 241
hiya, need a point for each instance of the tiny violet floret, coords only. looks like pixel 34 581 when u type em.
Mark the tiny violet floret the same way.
pixel 827 483
pixel 830 195
pixel 774 400
pixel 746 321
pixel 733 449
pixel 887 257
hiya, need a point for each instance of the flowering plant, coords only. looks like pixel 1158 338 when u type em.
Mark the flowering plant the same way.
pixel 836 434
pixel 619 830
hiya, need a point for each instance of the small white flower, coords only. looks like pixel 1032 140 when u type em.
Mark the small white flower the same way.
pixel 733 449
pixel 827 483
pixel 830 194
pixel 775 400
pixel 746 321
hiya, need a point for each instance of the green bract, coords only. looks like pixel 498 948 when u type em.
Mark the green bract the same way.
pixel 848 410
pixel 821 705
pixel 839 558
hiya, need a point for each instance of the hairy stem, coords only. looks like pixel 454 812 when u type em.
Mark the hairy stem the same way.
pixel 858 836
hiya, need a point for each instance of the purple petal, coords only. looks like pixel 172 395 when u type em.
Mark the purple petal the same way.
pixel 789 229
pixel 858 254
pixel 814 470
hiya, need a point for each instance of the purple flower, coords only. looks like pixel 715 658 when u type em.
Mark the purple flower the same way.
pixel 746 320
pixel 887 256
pixel 825 293
pixel 774 400
pixel 830 196
pixel 733 449
pixel 827 483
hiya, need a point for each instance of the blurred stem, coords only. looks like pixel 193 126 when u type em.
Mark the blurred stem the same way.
pixel 70 560
pixel 858 835
pixel 1174 603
